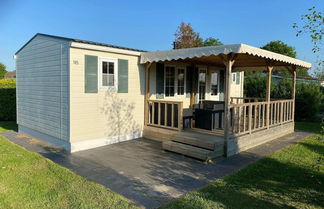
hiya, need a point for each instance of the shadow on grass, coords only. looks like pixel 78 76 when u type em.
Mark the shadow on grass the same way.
pixel 269 183
pixel 8 126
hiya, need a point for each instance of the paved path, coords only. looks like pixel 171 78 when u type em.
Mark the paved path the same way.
pixel 145 174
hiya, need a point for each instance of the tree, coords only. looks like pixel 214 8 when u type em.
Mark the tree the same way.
pixel 3 70
pixel 212 42
pixel 186 37
pixel 319 72
pixel 313 25
pixel 283 48
pixel 280 48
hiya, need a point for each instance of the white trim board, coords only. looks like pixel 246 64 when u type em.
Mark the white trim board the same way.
pixel 93 143
pixel 44 137
pixel 104 49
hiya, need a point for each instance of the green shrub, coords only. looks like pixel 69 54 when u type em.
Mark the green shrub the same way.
pixel 309 101
pixel 309 96
pixel 255 86
pixel 281 89
pixel 7 99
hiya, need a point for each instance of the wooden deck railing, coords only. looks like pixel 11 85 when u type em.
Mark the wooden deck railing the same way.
pixel 240 100
pixel 165 114
pixel 250 117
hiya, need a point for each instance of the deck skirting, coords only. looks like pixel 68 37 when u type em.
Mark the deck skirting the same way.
pixel 242 143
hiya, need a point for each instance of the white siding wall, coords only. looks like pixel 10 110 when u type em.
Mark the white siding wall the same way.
pixel 105 117
pixel 42 87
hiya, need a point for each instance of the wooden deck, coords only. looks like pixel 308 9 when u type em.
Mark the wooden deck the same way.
pixel 205 145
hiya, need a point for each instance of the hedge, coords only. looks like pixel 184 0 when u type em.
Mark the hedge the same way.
pixel 7 99
pixel 309 96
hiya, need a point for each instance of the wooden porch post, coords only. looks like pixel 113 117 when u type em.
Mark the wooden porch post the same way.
pixel 228 62
pixel 147 92
pixel 268 95
pixel 293 90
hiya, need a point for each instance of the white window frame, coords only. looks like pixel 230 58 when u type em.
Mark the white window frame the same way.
pixel 233 77
pixel 176 68
pixel 198 83
pixel 184 82
pixel 108 59
pixel 215 97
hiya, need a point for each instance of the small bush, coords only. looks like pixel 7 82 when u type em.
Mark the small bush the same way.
pixel 8 99
pixel 309 101
pixel 255 86
pixel 309 96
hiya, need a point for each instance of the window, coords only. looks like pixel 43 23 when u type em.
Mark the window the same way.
pixel 214 83
pixel 202 84
pixel 181 81
pixel 108 73
pixel 234 77
pixel 174 80
pixel 169 81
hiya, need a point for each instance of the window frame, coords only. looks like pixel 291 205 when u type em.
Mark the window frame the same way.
pixel 176 69
pixel 108 59
pixel 234 77
pixel 218 84
pixel 205 69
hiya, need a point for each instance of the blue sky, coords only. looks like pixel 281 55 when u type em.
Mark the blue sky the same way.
pixel 150 25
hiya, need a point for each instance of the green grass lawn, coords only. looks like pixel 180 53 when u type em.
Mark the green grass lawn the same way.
pixel 291 178
pixel 28 180
pixel 308 126
pixel 8 126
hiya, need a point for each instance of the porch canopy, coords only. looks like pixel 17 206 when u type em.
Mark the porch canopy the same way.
pixel 246 56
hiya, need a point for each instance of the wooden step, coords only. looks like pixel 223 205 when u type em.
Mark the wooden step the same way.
pixel 191 151
pixel 210 145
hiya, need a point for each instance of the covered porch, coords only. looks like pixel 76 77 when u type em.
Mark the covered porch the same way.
pixel 208 122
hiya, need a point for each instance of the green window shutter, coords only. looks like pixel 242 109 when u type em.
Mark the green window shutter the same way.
pixel 91 74
pixel 238 77
pixel 159 80
pixel 122 76
pixel 189 74
pixel 221 85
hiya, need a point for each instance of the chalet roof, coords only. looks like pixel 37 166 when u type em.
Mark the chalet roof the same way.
pixel 79 41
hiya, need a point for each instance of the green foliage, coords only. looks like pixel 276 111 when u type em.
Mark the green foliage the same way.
pixel 309 96
pixel 282 89
pixel 313 25
pixel 319 72
pixel 284 49
pixel 3 70
pixel 309 101
pixel 255 85
pixel 8 99
pixel 280 48
pixel 212 42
